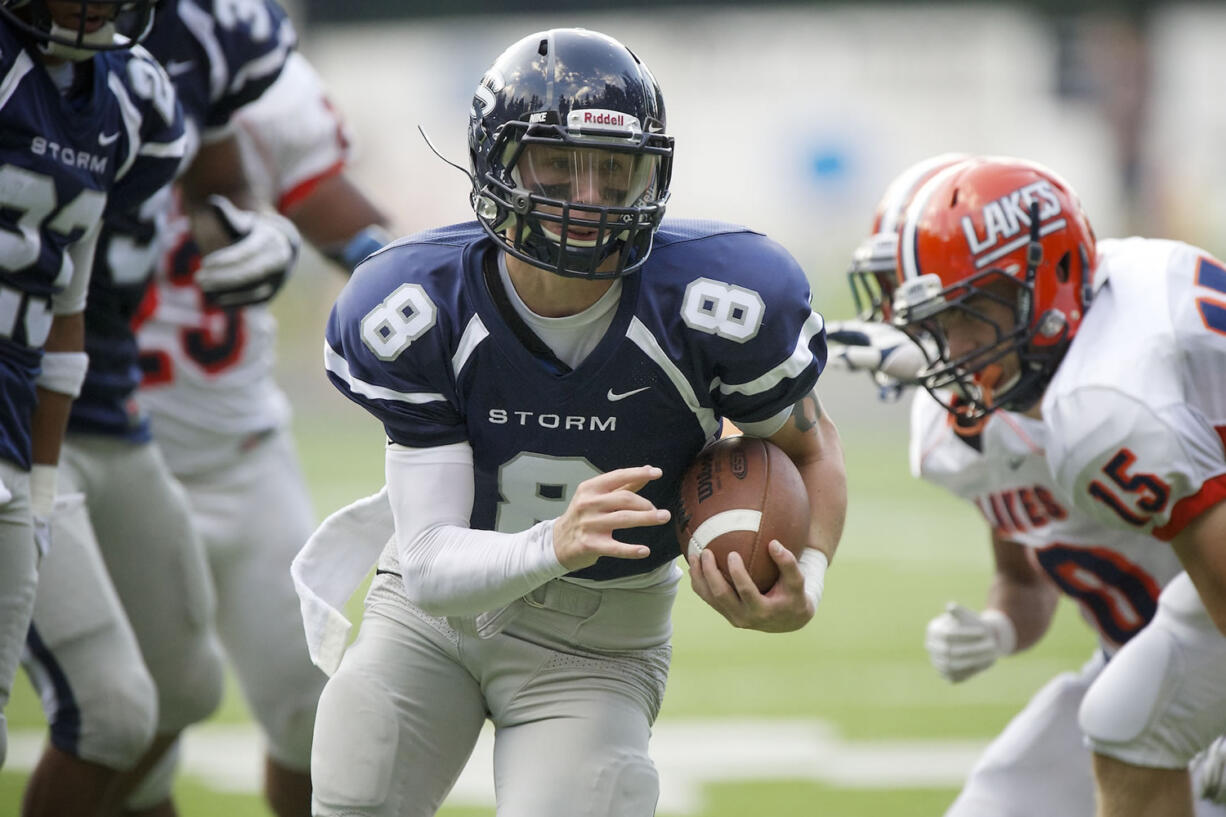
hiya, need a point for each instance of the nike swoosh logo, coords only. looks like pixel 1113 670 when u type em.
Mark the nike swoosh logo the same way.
pixel 105 139
pixel 177 67
pixel 1016 462
pixel 614 396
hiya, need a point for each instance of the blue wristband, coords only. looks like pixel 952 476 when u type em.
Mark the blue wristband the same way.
pixel 367 241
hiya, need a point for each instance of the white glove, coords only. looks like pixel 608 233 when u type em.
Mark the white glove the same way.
pixel 1209 772
pixel 42 535
pixel 962 642
pixel 253 267
pixel 868 346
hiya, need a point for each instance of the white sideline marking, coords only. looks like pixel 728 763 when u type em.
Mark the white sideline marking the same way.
pixel 688 754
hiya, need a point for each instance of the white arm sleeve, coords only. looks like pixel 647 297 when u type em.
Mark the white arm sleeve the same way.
pixel 447 567
pixel 71 299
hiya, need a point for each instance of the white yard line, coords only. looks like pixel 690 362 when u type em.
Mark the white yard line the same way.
pixel 688 753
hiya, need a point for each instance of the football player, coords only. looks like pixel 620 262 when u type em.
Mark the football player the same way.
pixel 132 534
pixel 85 129
pixel 1107 359
pixel 1042 546
pixel 222 422
pixel 544 376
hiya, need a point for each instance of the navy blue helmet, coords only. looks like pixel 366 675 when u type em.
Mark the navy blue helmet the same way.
pixel 80 28
pixel 569 155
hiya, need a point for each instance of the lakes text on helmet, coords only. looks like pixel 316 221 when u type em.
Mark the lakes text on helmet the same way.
pixel 1000 230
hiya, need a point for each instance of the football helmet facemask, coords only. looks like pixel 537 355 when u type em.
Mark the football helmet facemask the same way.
pixel 78 29
pixel 570 162
pixel 1000 247
pixel 873 273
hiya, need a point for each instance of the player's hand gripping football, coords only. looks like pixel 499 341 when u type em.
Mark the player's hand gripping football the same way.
pixel 783 608
pixel 888 354
pixel 962 642
pixel 252 267
pixel 600 506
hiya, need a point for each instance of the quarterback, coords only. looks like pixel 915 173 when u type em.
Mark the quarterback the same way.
pixel 544 376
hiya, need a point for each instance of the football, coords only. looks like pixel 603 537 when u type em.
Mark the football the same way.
pixel 738 495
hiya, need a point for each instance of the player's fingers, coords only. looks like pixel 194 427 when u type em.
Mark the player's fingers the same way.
pixel 746 590
pixel 631 479
pixel 591 499
pixel 786 561
pixel 720 589
pixel 847 333
pixel 698 579
pixel 617 520
pixel 621 500
pixel 861 357
pixel 620 550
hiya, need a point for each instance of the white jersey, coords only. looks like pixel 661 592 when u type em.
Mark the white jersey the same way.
pixel 1115 576
pixel 1137 409
pixel 208 372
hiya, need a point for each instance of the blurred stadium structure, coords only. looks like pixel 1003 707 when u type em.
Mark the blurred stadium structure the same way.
pixel 791 118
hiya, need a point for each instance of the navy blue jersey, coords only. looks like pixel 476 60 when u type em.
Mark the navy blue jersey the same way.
pixel 717 323
pixel 64 159
pixel 220 56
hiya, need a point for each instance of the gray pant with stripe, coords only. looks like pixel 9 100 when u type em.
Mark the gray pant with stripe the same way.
pixel 18 578
pixel 572 685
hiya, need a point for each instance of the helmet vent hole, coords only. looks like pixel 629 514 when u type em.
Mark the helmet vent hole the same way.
pixel 953 199
pixel 543 48
pixel 1062 268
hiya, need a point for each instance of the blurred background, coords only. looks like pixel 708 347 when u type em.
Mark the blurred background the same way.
pixel 790 118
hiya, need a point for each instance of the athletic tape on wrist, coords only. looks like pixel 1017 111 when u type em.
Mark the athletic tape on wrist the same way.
pixel 813 564
pixel 63 372
pixel 42 490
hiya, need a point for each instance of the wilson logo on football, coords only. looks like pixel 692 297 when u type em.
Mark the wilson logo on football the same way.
pixel 597 119
pixel 1006 222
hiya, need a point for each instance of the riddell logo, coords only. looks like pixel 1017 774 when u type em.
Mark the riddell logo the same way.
pixel 1006 221
pixel 604 118
pixel 597 119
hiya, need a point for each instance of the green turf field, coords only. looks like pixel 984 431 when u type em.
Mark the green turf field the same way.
pixel 859 667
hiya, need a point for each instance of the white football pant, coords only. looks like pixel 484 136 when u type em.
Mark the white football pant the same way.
pixel 572 686
pixel 124 607
pixel 18 579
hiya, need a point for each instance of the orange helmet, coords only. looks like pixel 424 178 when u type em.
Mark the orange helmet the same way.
pixel 873 272
pixel 1011 231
